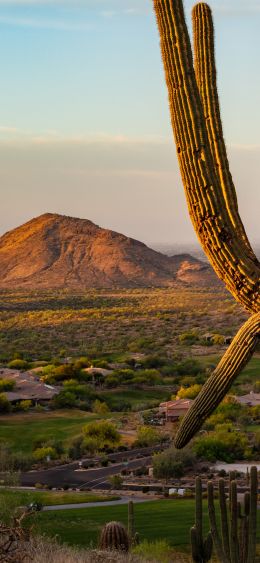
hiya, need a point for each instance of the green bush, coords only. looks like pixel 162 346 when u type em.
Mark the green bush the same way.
pixel 172 463
pixel 24 405
pixel 100 407
pixel 18 364
pixel 100 435
pixel 225 444
pixel 6 385
pixel 65 399
pixel 188 338
pixel 189 392
pixel 155 551
pixel 116 481
pixel 41 454
pixel 5 405
pixel 147 436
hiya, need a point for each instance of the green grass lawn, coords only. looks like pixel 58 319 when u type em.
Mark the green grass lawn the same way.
pixel 49 498
pixel 135 396
pixel 166 519
pixel 22 430
pixel 250 373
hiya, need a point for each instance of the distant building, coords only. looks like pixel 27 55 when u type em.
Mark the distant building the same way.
pixel 98 371
pixel 251 399
pixel 173 410
pixel 27 387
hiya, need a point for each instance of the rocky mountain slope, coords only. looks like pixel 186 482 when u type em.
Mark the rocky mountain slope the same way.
pixel 54 251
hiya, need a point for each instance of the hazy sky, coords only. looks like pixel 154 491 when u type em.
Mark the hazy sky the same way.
pixel 84 120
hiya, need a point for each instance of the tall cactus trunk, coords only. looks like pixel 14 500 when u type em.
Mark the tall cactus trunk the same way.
pixel 236 544
pixel 206 77
pixel 201 549
pixel 209 188
pixel 229 255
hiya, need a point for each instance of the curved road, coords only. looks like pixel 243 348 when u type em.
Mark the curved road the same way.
pixel 87 478
pixel 124 500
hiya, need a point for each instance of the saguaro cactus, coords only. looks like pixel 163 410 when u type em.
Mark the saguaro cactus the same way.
pixel 237 541
pixel 209 188
pixel 201 549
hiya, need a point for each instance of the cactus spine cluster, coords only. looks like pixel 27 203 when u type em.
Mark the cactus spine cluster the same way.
pixel 114 537
pixel 201 549
pixel 209 188
pixel 236 542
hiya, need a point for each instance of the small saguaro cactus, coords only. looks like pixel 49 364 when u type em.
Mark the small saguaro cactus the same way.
pixel 131 527
pixel 209 188
pixel 236 543
pixel 132 534
pixel 114 536
pixel 201 549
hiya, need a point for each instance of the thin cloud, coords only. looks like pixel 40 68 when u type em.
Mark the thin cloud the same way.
pixel 8 130
pixel 242 147
pixel 129 6
pixel 52 137
pixel 44 24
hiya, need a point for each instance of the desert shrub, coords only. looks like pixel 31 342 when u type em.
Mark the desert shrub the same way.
pixel 159 550
pixel 189 392
pixel 116 481
pixel 5 405
pixel 75 449
pixel 224 444
pixel 65 399
pixel 172 463
pixel 100 407
pixel 82 362
pixel 100 435
pixel 41 454
pixel 18 364
pixel 112 381
pixel 24 405
pixel 218 339
pixel 255 413
pixel 13 461
pixel 188 338
pixel 147 436
pixel 118 405
pixel 153 361
pixel 6 385
pixel 188 367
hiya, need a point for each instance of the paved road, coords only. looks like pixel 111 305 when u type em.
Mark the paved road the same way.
pixel 89 478
pixel 116 456
pixel 124 500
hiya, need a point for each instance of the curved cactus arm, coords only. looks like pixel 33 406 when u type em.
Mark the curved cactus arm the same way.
pixel 206 76
pixel 227 253
pixel 236 357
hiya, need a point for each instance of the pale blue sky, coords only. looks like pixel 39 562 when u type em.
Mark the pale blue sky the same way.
pixel 84 121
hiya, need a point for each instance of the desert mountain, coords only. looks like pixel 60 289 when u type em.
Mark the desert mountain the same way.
pixel 54 251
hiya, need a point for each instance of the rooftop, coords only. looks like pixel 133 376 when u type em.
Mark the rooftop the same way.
pixel 27 387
